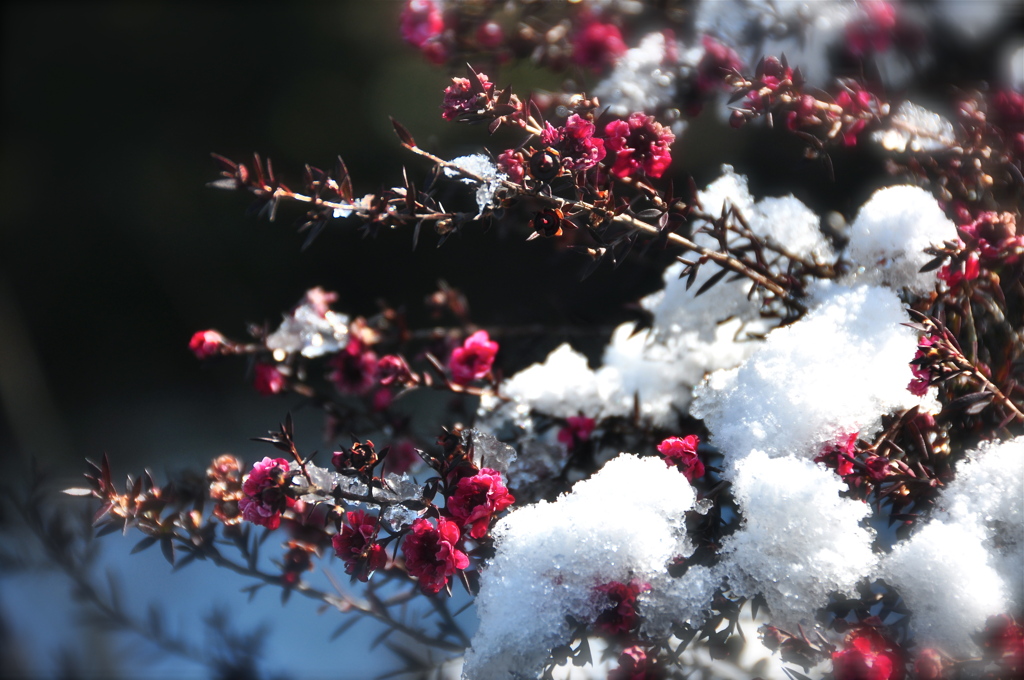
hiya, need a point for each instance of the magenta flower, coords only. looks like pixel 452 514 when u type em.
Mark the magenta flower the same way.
pixel 355 368
pixel 357 546
pixel 421 20
pixel 575 142
pixel 268 379
pixel 206 344
pixel 598 45
pixel 265 493
pixel 918 366
pixel 474 359
pixel 576 431
pixel 640 144
pixel 682 452
pixel 393 368
pixel 718 61
pixel 838 453
pixel 634 665
pixel 860 661
pixel 622 616
pixel 477 499
pixel 995 235
pixel 460 97
pixel 511 163
pixel 431 555
pixel 956 273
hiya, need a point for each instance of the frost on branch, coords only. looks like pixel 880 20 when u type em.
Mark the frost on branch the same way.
pixel 311 329
pixel 799 541
pixel 691 335
pixel 839 369
pixel 624 523
pixel 481 166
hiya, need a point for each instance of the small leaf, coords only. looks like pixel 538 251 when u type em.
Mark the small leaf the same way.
pixel 144 543
pixel 706 286
pixel 933 264
pixel 403 135
pixel 167 546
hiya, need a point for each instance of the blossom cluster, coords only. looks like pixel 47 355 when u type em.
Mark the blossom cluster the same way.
pixel 824 411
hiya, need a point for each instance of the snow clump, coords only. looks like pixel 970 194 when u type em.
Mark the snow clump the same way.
pixel 837 370
pixel 890 233
pixel 625 523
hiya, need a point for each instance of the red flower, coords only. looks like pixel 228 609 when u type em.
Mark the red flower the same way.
pixel 633 665
pixel 839 452
pixel 859 661
pixel 474 359
pixel 268 379
pixel 477 499
pixel 918 366
pixel 356 545
pixel 461 96
pixel 718 61
pixel 621 617
pixel 511 163
pixel 995 235
pixel 1004 643
pixel 598 45
pixel 682 452
pixel 878 468
pixel 206 344
pixel 355 368
pixel 265 493
pixel 393 369
pixel 431 555
pixel 858 106
pixel 874 31
pixel 965 270
pixel 575 142
pixel 576 431
pixel 421 20
pixel 640 144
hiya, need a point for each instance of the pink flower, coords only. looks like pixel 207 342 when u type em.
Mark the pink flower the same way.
pixel 477 499
pixel 640 144
pixel 576 431
pixel 431 555
pixel 268 379
pixel 392 368
pixel 633 665
pixel 575 142
pixel 878 468
pixel 621 617
pixel 356 545
pixel 461 96
pixel 265 493
pixel 966 269
pixel 839 452
pixel 919 367
pixel 682 452
pixel 718 61
pixel 511 163
pixel 206 344
pixel 421 20
pixel 995 235
pixel 598 45
pixel 859 661
pixel 858 107
pixel 474 359
pixel 874 31
pixel 355 368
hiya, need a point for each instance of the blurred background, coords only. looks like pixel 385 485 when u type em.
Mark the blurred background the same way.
pixel 113 252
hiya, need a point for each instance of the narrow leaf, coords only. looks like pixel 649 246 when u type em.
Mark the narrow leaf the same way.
pixel 403 135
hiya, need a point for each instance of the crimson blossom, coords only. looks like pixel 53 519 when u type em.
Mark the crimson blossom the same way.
pixel 682 452
pixel 421 20
pixel 354 368
pixel 460 97
pixel 477 499
pixel 431 555
pixel 576 143
pixel 357 547
pixel 474 359
pixel 265 497
pixel 622 616
pixel 598 45
pixel 268 379
pixel 206 344
pixel 861 661
pixel 640 144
